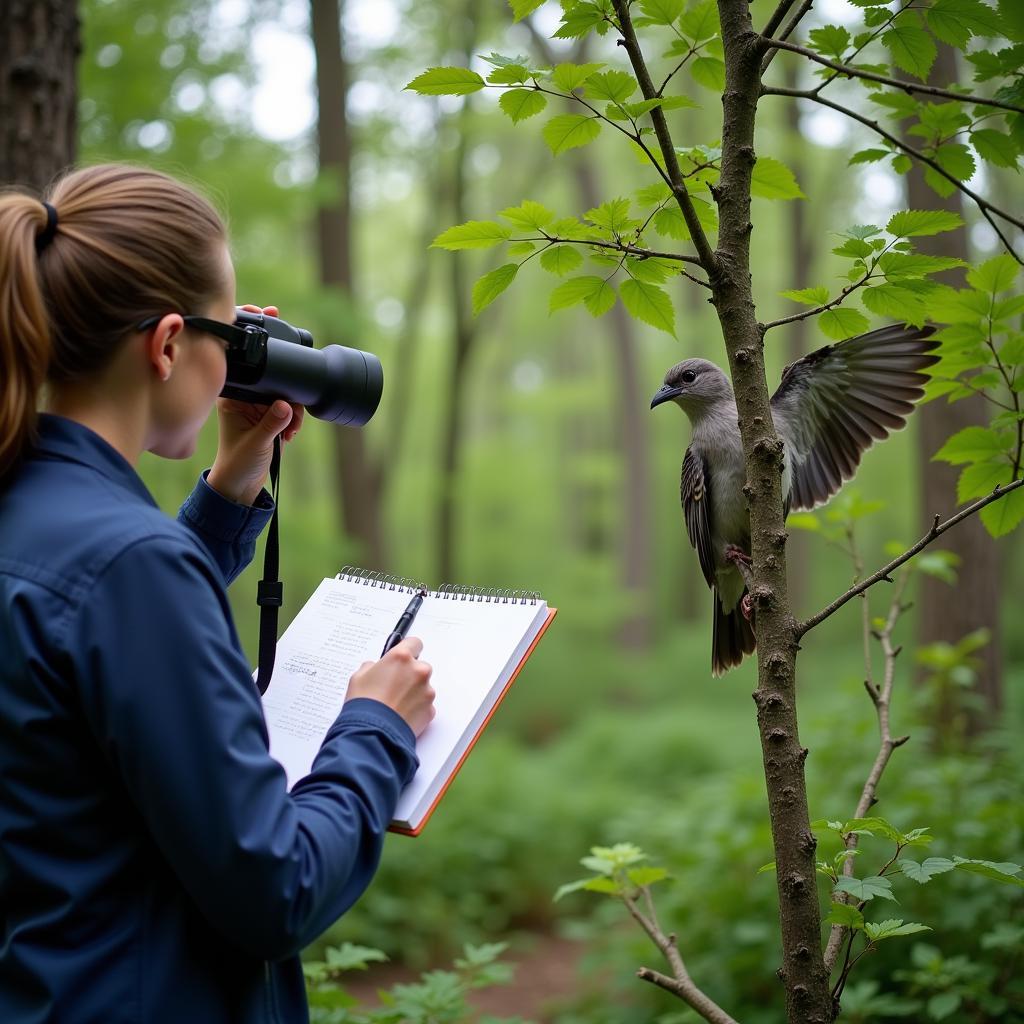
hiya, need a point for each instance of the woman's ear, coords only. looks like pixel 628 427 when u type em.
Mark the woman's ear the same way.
pixel 162 344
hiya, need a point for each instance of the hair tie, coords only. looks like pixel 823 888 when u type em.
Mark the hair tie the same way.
pixel 45 237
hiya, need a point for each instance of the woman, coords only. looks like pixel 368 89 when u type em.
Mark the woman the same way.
pixel 153 865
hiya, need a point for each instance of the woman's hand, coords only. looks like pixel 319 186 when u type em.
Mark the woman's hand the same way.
pixel 399 680
pixel 246 445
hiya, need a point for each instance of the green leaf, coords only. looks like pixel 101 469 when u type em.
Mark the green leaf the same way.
pixel 571 76
pixel 569 887
pixel 999 518
pixel 764 869
pixel 570 292
pixel 608 886
pixel 665 102
pixel 772 179
pixel 517 249
pixel 994 275
pixel 669 222
pixel 646 876
pixel 708 72
pixel 912 49
pixel 649 303
pixel 520 104
pixel 914 223
pixel 599 301
pixel 900 266
pixel 700 22
pixel 872 826
pixel 491 285
pixel 840 323
pixel 830 40
pixel 955 21
pixel 446 82
pixel 560 259
pixel 890 929
pixel 529 216
pixel 956 159
pixel 511 74
pixel 579 20
pixel 941 1005
pixel 808 296
pixel 615 86
pixel 865 889
pixel 613 216
pixel 868 156
pixel 653 270
pixel 803 521
pixel 661 12
pixel 845 915
pixel 972 444
pixel 474 234
pixel 996 147
pixel 567 131
pixel 981 478
pixel 521 8
pixel 894 301
pixel 927 869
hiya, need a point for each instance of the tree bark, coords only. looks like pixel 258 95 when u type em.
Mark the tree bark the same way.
pixel 359 479
pixel 38 90
pixel 945 615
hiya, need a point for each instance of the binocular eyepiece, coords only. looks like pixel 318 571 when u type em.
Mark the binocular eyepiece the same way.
pixel 335 383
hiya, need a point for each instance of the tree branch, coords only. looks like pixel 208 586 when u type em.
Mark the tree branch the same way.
pixel 668 152
pixel 885 572
pixel 818 309
pixel 681 984
pixel 987 209
pixel 881 698
pixel 896 83
pixel 775 20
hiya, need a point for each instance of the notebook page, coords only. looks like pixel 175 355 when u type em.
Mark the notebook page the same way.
pixel 342 625
pixel 473 646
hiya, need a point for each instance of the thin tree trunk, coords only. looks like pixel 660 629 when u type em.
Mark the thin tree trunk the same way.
pixel 358 478
pixel 945 614
pixel 38 90
pixel 463 328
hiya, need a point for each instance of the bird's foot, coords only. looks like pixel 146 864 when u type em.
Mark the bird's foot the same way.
pixel 747 607
pixel 739 558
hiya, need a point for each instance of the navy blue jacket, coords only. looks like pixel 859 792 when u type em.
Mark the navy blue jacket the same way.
pixel 153 865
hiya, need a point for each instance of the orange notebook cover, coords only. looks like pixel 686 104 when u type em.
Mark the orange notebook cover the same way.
pixel 477 642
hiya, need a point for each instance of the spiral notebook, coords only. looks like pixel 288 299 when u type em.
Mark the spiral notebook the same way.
pixel 476 640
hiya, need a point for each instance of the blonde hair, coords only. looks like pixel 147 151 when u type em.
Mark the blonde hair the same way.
pixel 130 242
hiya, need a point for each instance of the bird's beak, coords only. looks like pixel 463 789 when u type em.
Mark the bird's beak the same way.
pixel 665 394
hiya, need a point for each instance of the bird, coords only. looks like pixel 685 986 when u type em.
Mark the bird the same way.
pixel 829 407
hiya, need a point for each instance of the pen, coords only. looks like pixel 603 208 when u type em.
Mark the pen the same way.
pixel 404 622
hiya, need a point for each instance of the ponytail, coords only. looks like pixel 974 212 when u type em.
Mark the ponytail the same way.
pixel 111 246
pixel 24 325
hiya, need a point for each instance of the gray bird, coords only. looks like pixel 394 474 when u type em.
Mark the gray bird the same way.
pixel 830 406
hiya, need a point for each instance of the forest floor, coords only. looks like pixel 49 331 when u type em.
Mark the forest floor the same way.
pixel 546 977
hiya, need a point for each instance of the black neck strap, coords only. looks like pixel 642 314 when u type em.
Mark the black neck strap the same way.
pixel 270 592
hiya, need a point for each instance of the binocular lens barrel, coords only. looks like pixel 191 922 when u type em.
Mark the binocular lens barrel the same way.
pixel 335 383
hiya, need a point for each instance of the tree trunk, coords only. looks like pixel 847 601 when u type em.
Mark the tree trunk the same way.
pixel 463 328
pixel 945 614
pixel 38 90
pixel 359 479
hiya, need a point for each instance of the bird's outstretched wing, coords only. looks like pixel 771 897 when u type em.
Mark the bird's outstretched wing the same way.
pixel 693 491
pixel 832 404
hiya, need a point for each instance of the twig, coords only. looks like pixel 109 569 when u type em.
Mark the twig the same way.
pixel 786 33
pixel 841 297
pixel 986 208
pixel 881 697
pixel 707 257
pixel 680 983
pixel 937 529
pixel 624 247
pixel 896 83
pixel 775 20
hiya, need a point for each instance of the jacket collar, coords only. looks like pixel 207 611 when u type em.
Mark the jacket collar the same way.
pixel 61 438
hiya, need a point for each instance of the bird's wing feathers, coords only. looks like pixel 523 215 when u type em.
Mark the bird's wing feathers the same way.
pixel 832 404
pixel 693 490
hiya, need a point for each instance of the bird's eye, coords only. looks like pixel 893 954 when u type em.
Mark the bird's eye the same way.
pixel 689 376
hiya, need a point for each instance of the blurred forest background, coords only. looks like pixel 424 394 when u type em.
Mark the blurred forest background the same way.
pixel 516 450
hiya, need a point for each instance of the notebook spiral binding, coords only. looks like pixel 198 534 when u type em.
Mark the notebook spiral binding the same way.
pixel 447 591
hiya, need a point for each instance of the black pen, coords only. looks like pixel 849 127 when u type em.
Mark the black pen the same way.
pixel 404 622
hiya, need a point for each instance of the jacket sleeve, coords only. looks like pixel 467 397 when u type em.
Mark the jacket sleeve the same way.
pixel 227 529
pixel 170 700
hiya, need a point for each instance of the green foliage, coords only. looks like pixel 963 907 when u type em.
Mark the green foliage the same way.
pixel 439 997
pixel 616 873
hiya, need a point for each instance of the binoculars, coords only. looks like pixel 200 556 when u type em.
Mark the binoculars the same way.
pixel 338 384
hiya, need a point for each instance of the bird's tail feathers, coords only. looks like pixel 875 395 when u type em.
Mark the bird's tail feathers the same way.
pixel 732 637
